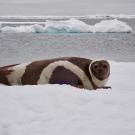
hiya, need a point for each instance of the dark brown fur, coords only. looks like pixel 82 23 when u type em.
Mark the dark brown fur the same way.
pixel 83 63
pixel 6 67
pixel 64 76
pixel 33 70
pixel 4 72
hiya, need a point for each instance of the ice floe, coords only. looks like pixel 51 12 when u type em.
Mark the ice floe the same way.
pixel 70 26
pixel 62 109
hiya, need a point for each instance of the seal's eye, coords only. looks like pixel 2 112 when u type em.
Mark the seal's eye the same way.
pixel 95 66
pixel 104 66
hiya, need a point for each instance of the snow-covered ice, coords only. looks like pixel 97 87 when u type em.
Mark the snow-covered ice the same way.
pixel 64 110
pixel 70 26
pixel 22 28
pixel 94 16
pixel 111 26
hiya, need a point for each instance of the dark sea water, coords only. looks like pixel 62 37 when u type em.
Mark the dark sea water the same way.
pixel 24 47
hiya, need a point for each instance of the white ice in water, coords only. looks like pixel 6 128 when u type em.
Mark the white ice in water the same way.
pixel 111 26
pixel 65 110
pixel 23 28
pixel 71 26
pixel 95 16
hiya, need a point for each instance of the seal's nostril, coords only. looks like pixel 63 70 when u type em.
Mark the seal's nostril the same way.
pixel 101 72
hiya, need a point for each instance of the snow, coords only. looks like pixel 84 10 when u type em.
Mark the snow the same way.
pixel 23 28
pixel 62 109
pixel 95 16
pixel 21 23
pixel 104 16
pixel 112 26
pixel 71 26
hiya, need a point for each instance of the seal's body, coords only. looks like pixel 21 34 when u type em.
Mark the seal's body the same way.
pixel 75 71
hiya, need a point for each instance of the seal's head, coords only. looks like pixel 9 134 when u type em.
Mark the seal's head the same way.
pixel 100 69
